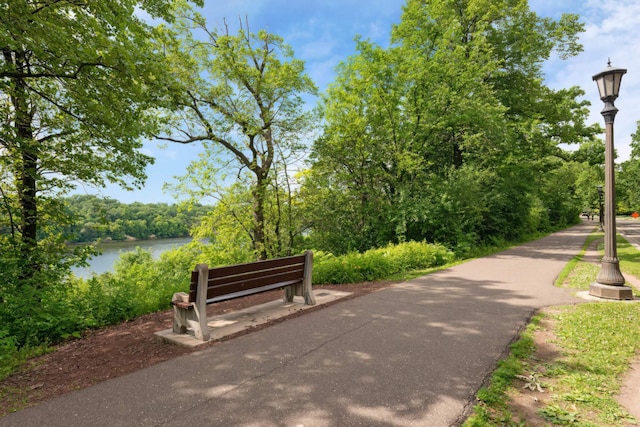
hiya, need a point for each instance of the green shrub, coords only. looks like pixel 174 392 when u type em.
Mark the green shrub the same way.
pixel 11 356
pixel 138 285
pixel 8 353
pixel 378 263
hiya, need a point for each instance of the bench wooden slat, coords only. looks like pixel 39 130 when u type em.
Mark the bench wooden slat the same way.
pixel 217 279
pixel 250 275
pixel 241 283
pixel 232 275
pixel 252 266
pixel 193 286
pixel 250 291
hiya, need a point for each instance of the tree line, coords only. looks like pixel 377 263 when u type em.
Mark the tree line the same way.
pixel 97 218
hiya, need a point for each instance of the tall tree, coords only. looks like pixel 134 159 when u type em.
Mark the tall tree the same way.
pixel 628 177
pixel 457 95
pixel 77 84
pixel 242 96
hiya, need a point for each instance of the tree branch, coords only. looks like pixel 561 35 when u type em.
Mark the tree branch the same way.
pixel 74 75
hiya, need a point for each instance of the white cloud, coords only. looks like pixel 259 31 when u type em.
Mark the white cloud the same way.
pixel 611 30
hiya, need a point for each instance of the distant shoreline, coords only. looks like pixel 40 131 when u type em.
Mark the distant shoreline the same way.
pixel 132 240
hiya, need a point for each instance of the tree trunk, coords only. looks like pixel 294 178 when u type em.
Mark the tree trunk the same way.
pixel 457 155
pixel 259 195
pixel 26 183
pixel 28 204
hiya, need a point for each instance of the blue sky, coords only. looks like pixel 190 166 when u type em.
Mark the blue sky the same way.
pixel 321 33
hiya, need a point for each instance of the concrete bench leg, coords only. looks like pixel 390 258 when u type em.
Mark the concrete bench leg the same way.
pixel 180 313
pixel 307 291
pixel 189 318
pixel 198 321
pixel 303 289
pixel 193 317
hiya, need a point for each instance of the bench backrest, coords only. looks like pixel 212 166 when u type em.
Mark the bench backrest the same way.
pixel 245 279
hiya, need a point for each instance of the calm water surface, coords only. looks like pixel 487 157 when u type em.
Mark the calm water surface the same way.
pixel 111 252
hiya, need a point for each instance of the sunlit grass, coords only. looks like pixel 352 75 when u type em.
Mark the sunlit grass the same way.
pixel 599 341
pixel 629 257
pixel 576 260
pixel 582 276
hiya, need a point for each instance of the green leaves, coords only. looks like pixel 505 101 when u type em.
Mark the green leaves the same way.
pixel 80 83
pixel 446 134
pixel 377 264
pixel 242 95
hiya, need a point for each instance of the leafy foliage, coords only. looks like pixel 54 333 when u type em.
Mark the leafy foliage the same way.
pixel 449 134
pixel 379 263
pixel 80 83
pixel 627 176
pixel 242 96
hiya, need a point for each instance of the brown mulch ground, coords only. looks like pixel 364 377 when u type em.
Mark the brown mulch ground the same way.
pixel 124 348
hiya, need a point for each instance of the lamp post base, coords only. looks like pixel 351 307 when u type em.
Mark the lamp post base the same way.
pixel 610 268
pixel 611 291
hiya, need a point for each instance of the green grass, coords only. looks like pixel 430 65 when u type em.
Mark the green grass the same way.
pixel 494 402
pixel 576 259
pixel 11 358
pixel 580 275
pixel 629 257
pixel 598 341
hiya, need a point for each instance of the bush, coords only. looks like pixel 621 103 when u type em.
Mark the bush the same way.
pixel 8 353
pixel 379 263
pixel 138 285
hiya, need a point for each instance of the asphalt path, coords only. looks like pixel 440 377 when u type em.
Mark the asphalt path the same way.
pixel 413 354
pixel 630 229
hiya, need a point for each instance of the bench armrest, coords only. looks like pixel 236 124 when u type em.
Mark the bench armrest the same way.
pixel 181 299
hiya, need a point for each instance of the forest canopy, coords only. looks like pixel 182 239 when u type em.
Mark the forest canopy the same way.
pixel 97 218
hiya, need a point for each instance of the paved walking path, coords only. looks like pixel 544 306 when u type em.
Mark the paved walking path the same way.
pixel 630 229
pixel 413 354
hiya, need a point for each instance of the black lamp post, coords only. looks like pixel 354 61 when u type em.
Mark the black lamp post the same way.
pixel 610 282
pixel 600 217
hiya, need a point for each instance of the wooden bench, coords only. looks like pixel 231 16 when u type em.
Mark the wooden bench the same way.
pixel 219 284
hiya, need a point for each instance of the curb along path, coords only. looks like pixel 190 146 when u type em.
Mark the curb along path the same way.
pixel 413 354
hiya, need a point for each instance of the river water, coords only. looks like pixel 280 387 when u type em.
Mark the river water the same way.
pixel 111 252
